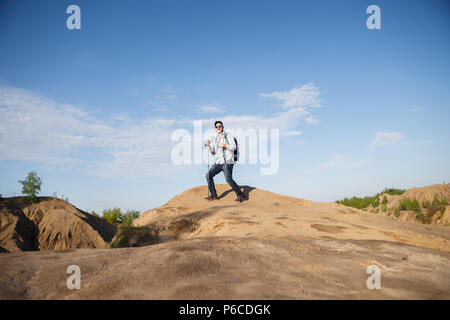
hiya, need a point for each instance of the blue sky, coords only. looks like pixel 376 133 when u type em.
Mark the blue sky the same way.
pixel 92 110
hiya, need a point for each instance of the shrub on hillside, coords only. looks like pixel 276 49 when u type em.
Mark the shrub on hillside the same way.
pixel 129 216
pixel 113 216
pixel 360 203
pixel 421 217
pixel 95 214
pixel 410 204
pixel 393 191
pixel 438 202
pixel 116 216
pixel 128 236
pixel 435 207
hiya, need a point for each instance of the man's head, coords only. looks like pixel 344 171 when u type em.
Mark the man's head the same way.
pixel 219 126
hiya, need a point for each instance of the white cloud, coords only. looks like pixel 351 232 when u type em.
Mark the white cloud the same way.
pixel 287 120
pixel 35 128
pixel 312 120
pixel 39 129
pixel 209 108
pixel 306 96
pixel 383 138
pixel 299 103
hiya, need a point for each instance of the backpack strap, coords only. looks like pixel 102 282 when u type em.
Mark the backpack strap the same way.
pixel 228 140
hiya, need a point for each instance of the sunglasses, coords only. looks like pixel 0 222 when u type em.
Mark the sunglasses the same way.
pixel 219 126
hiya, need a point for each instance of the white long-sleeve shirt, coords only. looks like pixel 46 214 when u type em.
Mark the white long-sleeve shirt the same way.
pixel 220 154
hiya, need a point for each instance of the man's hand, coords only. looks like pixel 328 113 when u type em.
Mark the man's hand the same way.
pixel 223 145
pixel 207 142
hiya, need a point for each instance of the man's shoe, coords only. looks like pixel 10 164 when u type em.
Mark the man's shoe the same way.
pixel 211 198
pixel 242 198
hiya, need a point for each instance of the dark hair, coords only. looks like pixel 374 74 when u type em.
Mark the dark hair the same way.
pixel 215 123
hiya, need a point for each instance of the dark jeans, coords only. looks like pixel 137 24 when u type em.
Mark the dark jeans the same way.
pixel 228 172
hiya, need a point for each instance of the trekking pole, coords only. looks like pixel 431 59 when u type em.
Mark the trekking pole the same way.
pixel 207 186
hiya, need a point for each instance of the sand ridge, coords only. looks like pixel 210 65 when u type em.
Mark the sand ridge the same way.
pixel 268 214
pixel 49 224
pixel 269 247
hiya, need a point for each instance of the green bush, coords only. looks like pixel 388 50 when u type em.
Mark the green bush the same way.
pixel 31 186
pixel 438 202
pixel 408 204
pixel 420 216
pixel 376 202
pixel 403 204
pixel 360 203
pixel 426 204
pixel 397 212
pixel 415 205
pixel 129 216
pixel 393 191
pixel 128 236
pixel 384 208
pixel 113 216
pixel 95 214
pixel 116 216
pixel 433 210
pixel 435 201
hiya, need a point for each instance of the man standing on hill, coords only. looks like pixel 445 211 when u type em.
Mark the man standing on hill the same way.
pixel 224 154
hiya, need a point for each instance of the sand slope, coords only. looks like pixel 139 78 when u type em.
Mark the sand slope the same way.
pixel 271 215
pixel 270 247
pixel 422 195
pixel 49 224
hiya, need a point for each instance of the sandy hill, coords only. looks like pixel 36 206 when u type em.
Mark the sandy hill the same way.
pixel 269 247
pixel 271 215
pixel 427 193
pixel 425 197
pixel 49 224
pixel 422 194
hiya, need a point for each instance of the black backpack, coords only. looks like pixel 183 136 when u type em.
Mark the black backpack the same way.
pixel 236 151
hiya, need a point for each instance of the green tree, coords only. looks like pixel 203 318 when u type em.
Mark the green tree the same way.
pixel 31 186
pixel 113 216
pixel 95 214
pixel 129 216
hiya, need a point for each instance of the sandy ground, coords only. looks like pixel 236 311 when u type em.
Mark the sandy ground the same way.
pixel 49 224
pixel 269 247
